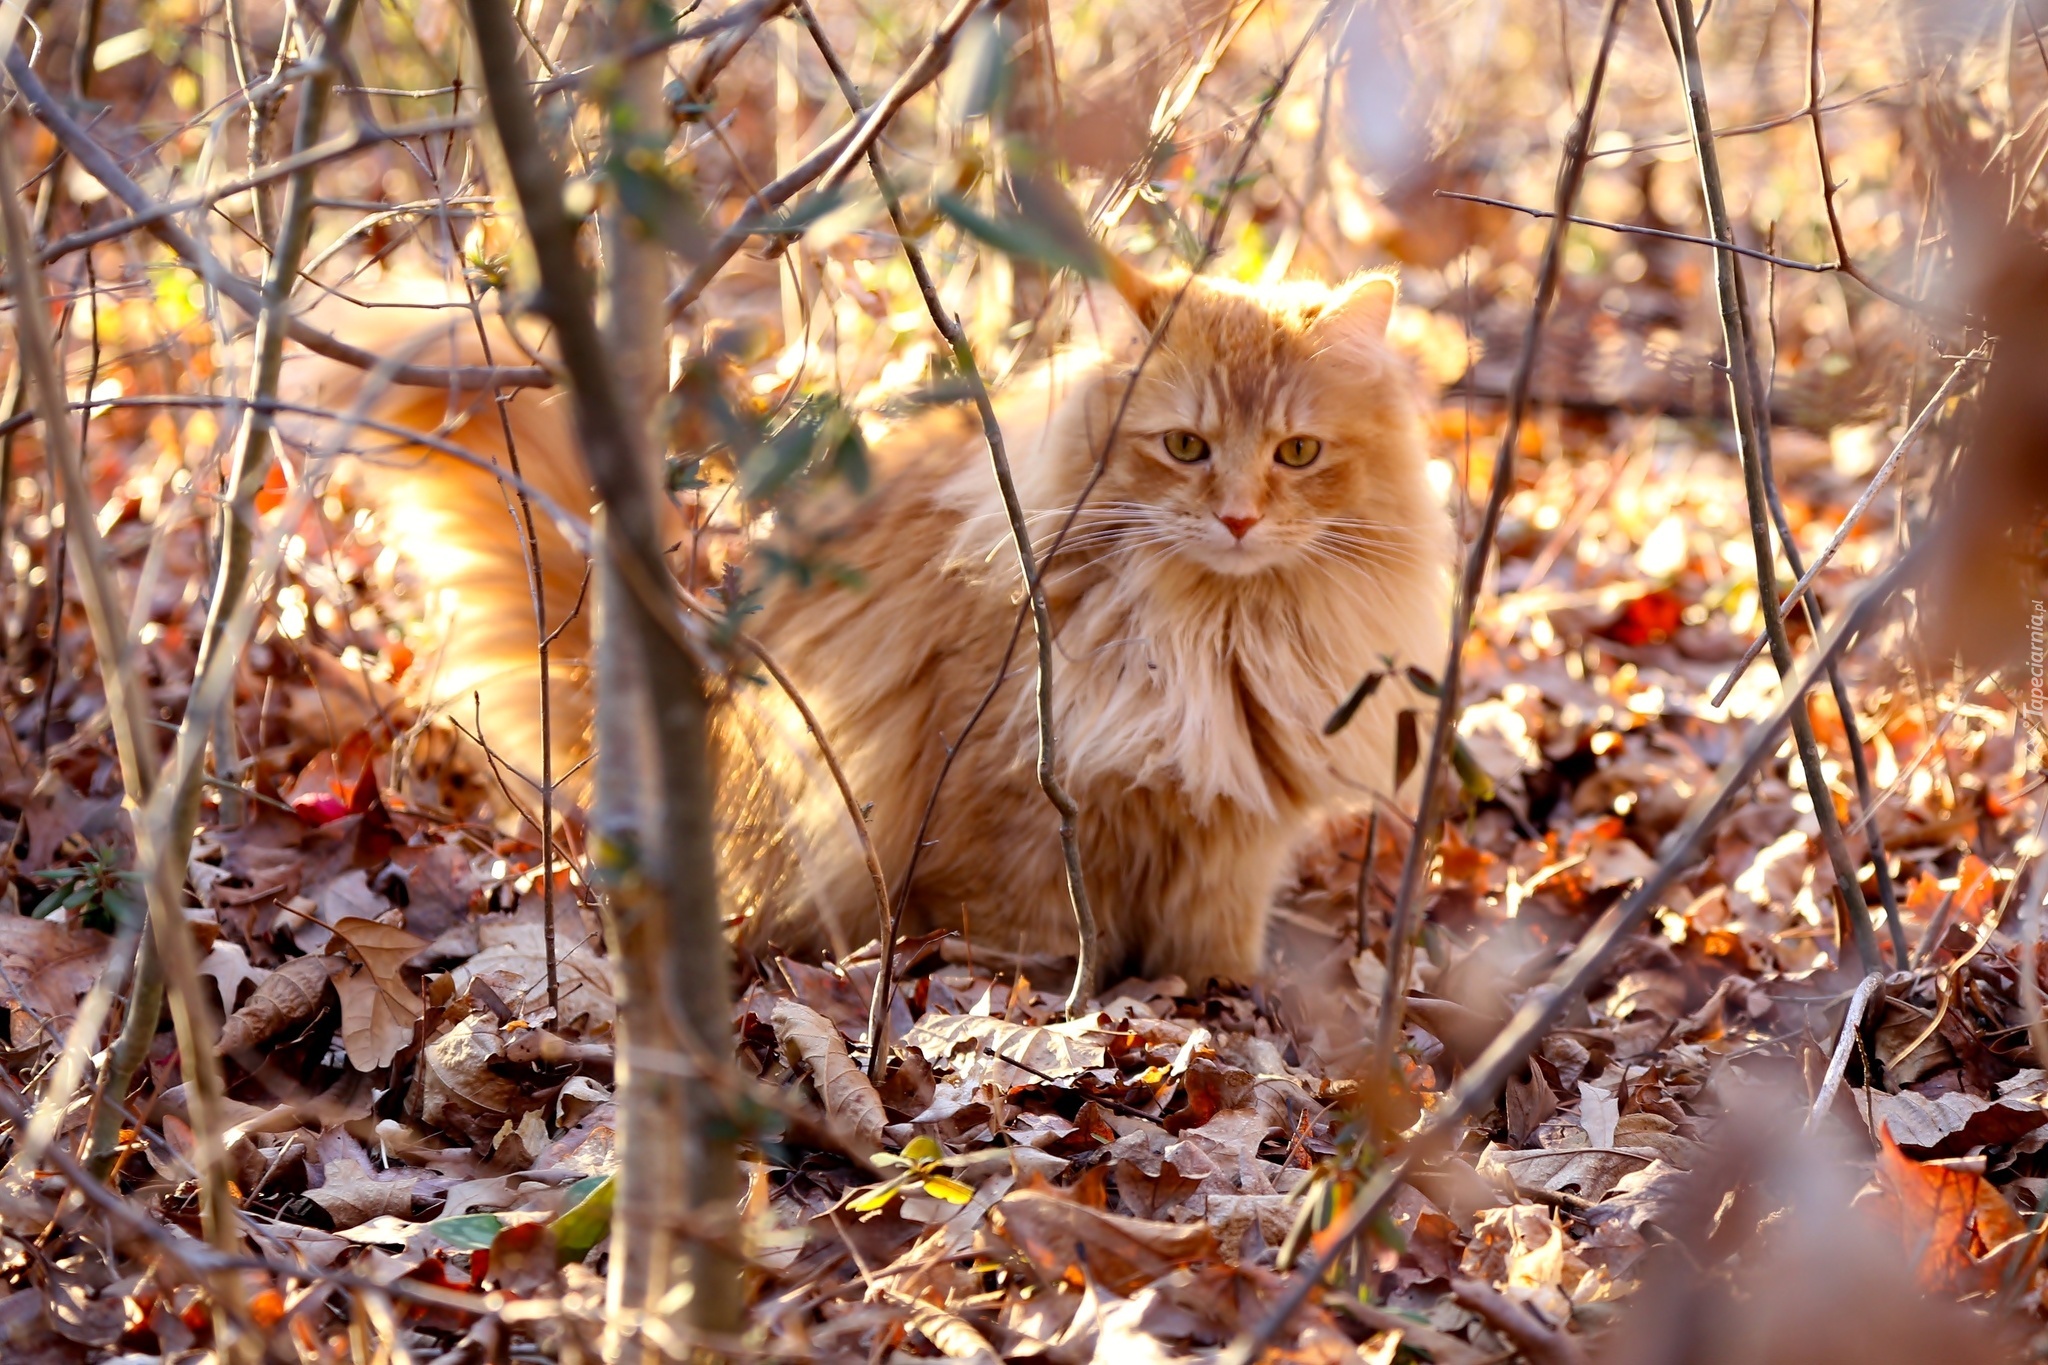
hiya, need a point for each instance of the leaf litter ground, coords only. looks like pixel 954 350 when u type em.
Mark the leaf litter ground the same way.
pixel 1125 1185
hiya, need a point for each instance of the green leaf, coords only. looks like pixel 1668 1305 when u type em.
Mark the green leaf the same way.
pixel 822 428
pixel 979 72
pixel 1476 781
pixel 468 1231
pixel 659 201
pixel 1360 694
pixel 800 218
pixel 587 1221
pixel 1031 238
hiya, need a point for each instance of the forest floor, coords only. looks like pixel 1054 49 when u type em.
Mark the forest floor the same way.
pixel 410 1111
pixel 422 1126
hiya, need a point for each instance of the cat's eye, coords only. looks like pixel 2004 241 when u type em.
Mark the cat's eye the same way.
pixel 1186 447
pixel 1298 452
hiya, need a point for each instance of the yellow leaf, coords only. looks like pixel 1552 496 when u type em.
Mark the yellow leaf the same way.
pixel 922 1151
pixel 876 1198
pixel 946 1188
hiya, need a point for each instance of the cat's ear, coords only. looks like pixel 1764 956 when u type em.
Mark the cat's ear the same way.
pixel 1146 296
pixel 1362 303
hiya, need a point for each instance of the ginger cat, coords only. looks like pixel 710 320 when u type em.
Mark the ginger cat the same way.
pixel 1263 535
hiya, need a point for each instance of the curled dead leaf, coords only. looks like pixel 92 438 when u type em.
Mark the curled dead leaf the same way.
pixel 848 1096
pixel 291 995
pixel 1057 1051
pixel 455 1088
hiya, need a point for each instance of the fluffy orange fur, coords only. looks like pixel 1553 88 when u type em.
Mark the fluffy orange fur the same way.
pixel 1212 603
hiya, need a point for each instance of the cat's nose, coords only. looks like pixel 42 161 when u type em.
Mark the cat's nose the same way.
pixel 1238 526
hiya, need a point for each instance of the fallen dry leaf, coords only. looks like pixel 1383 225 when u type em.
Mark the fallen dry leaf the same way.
pixel 455 1089
pixel 814 1041
pixel 45 969
pixel 1121 1253
pixel 228 964
pixel 378 1010
pixel 1950 1124
pixel 512 955
pixel 292 994
pixel 1057 1052
pixel 353 1191
pixel 1951 1220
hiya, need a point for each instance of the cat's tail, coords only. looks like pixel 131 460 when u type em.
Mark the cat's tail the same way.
pixel 442 472
pixel 473 491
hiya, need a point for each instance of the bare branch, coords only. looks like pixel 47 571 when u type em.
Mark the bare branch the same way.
pixel 1422 847
pixel 829 161
pixel 1750 449
pixel 245 294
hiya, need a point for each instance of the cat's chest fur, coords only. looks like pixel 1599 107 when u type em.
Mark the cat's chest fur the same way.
pixel 1216 691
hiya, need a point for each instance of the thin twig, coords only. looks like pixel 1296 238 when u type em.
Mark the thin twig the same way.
pixel 127 703
pixel 1539 1342
pixel 1761 126
pixel 1638 230
pixel 244 293
pixel 1401 925
pixel 830 161
pixel 335 149
pixel 195 1258
pixel 877 1042
pixel 1741 364
pixel 1849 520
pixel 661 892
pixel 745 21
pixel 1843 260
pixel 1441 1127
pixel 1086 963
pixel 1845 706
pixel 1838 1064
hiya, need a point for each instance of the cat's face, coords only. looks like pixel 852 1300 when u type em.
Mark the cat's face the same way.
pixel 1272 428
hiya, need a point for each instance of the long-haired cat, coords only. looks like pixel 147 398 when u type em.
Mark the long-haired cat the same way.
pixel 1259 534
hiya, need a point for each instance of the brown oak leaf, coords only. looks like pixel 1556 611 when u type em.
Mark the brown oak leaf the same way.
pixel 378 1010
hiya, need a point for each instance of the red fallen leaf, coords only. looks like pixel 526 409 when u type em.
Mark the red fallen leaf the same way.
pixel 319 808
pixel 1647 620
pixel 1974 888
pixel 275 485
pixel 523 1258
pixel 1951 1220
pixel 266 1308
pixel 364 794
pixel 337 783
pixel 1462 864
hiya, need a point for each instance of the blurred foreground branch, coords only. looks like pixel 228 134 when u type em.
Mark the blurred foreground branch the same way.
pixel 651 832
pixel 1482 1080
pixel 1401 928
